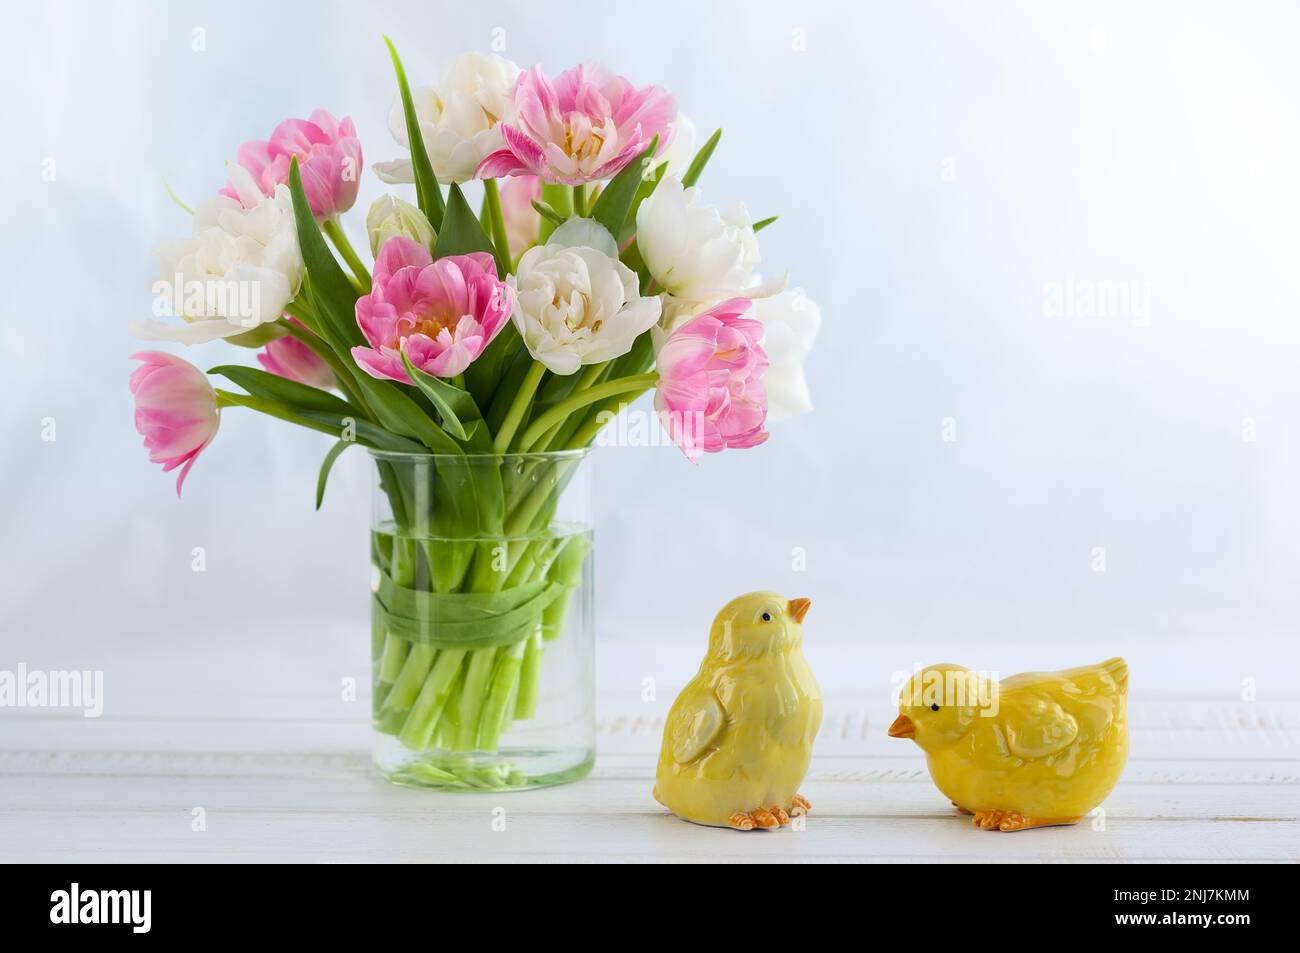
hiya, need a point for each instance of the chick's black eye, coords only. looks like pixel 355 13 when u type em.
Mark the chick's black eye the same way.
pixel 934 707
pixel 767 617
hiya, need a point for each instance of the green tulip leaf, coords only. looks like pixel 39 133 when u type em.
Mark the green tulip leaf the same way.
pixel 345 426
pixel 292 394
pixel 460 414
pixel 427 191
pixel 400 414
pixel 616 198
pixel 461 232
pixel 464 620
pixel 331 292
pixel 701 160
pixel 643 192
pixel 326 465
pixel 483 378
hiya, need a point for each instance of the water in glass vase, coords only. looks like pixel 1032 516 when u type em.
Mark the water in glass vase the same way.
pixel 482 658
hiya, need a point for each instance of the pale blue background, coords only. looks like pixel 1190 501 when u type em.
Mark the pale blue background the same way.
pixel 935 165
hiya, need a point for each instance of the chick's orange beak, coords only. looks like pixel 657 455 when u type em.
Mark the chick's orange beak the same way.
pixel 903 727
pixel 799 608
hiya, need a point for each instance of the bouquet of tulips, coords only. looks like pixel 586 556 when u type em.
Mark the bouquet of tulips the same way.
pixel 591 273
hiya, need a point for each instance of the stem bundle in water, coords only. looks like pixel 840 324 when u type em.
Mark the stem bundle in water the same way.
pixel 461 624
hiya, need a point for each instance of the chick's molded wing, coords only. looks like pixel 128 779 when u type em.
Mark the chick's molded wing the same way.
pixel 1038 727
pixel 1045 712
pixel 694 723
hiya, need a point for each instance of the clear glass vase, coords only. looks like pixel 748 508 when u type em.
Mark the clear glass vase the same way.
pixel 482 626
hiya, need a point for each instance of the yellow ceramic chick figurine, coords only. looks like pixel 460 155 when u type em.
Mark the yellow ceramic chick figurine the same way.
pixel 1033 750
pixel 738 739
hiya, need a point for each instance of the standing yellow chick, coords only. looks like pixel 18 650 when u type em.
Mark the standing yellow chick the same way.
pixel 739 737
pixel 1033 750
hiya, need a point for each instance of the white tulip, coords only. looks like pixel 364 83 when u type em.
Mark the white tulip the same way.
pixel 238 269
pixel 790 324
pixel 390 217
pixel 459 119
pixel 693 250
pixel 577 305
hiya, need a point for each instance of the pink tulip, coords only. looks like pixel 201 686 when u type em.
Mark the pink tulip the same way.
pixel 441 314
pixel 288 357
pixel 522 220
pixel 710 394
pixel 586 125
pixel 329 160
pixel 175 410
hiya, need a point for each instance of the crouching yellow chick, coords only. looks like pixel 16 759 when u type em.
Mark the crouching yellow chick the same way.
pixel 1033 750
pixel 739 737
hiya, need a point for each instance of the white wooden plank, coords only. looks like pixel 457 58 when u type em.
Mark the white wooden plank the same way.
pixel 862 769
pixel 1167 730
pixel 469 835
pixel 358 793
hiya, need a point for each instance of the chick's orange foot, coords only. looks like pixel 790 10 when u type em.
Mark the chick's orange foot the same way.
pixel 1013 821
pixel 766 818
pixel 799 805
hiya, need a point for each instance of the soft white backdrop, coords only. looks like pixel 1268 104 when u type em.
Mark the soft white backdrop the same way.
pixel 940 169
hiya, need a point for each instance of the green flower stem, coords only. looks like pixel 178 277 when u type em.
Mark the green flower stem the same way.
pixel 448 726
pixel 590 376
pixel 472 695
pixel 483 568
pixel 519 521
pixel 553 618
pixel 422 722
pixel 419 660
pixel 432 774
pixel 398 667
pixel 561 434
pixel 500 697
pixel 523 566
pixel 578 401
pixel 548 438
pixel 530 677
pixel 390 662
pixel 560 199
pixel 404 566
pixel 593 426
pixel 497 221
pixel 580 200
pixel 523 397
pixel 334 230
pixel 565 568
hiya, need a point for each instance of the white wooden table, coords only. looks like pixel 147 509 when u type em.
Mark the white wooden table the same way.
pixel 280 772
